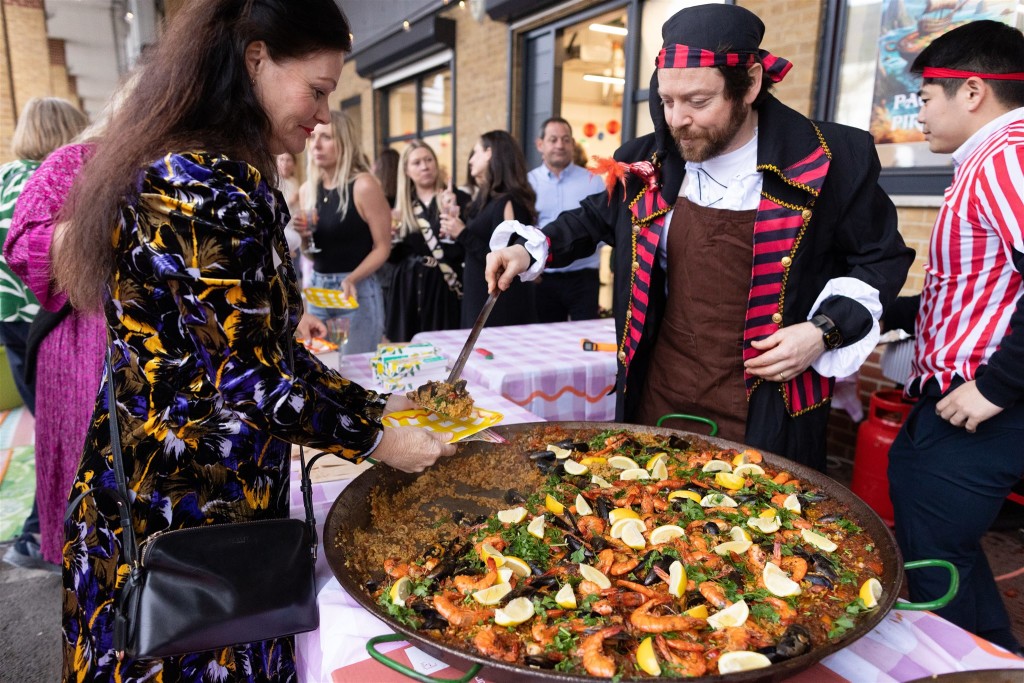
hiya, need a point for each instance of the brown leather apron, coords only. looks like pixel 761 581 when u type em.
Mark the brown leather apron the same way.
pixel 697 363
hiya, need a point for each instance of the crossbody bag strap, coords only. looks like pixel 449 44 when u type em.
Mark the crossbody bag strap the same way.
pixel 451 278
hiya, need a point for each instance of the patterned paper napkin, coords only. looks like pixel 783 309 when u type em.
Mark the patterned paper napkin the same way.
pixel 329 298
pixel 472 428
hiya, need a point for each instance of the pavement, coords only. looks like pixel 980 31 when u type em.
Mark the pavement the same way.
pixel 30 627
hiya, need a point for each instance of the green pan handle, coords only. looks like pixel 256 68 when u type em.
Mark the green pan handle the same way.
pixel 954 585
pixel 403 669
pixel 683 416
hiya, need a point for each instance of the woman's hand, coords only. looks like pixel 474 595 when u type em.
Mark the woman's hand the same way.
pixel 310 327
pixel 411 449
pixel 397 402
pixel 451 226
pixel 349 287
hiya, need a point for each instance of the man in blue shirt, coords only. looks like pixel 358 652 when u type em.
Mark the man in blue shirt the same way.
pixel 569 292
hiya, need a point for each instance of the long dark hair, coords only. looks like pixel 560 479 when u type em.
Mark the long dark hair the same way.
pixel 194 92
pixel 506 174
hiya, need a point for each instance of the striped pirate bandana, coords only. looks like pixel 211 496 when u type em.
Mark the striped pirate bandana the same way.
pixel 683 57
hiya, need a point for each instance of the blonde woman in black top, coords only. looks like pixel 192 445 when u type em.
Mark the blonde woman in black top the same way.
pixel 352 229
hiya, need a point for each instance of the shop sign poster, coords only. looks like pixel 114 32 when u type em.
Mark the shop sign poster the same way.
pixel 907 27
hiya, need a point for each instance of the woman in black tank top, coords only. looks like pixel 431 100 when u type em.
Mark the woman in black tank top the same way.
pixel 352 228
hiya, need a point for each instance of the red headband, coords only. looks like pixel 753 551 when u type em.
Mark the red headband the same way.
pixel 937 72
pixel 681 57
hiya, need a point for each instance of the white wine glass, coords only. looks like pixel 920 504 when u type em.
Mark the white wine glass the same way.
pixel 311 221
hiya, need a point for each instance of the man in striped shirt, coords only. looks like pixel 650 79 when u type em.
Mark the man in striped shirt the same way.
pixel 961 450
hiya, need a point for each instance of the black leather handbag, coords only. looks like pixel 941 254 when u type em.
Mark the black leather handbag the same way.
pixel 212 586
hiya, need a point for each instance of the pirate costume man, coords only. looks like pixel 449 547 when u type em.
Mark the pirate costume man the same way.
pixel 711 256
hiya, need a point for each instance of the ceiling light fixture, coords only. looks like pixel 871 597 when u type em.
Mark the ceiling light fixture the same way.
pixel 608 28
pixel 596 78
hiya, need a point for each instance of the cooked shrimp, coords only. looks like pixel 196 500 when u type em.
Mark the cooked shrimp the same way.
pixel 497 643
pixel 395 569
pixel 497 542
pixel 617 600
pixel 623 566
pixel 595 661
pixel 714 594
pixel 591 525
pixel 787 615
pixel 468 584
pixel 643 620
pixel 646 591
pixel 782 477
pixel 732 638
pixel 588 588
pixel 689 661
pixel 605 559
pixel 449 606
pixel 796 566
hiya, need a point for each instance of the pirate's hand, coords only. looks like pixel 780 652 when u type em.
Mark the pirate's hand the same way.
pixel 786 353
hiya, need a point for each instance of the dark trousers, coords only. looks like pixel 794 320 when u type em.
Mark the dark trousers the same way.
pixel 565 296
pixel 947 487
pixel 14 337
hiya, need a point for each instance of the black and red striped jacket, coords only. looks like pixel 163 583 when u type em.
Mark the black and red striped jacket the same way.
pixel 822 215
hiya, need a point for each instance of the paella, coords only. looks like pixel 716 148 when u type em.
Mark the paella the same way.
pixel 628 554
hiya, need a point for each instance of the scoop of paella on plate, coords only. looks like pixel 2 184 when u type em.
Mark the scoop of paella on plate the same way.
pixel 637 554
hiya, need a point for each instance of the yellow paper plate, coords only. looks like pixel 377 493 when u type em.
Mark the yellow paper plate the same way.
pixel 329 298
pixel 318 345
pixel 461 427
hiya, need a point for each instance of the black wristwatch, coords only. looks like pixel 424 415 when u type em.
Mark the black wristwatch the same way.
pixel 829 332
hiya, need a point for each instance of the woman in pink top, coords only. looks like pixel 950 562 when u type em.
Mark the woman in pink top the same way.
pixel 69 361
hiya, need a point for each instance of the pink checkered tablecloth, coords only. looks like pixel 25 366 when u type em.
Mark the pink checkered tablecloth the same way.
pixel 541 367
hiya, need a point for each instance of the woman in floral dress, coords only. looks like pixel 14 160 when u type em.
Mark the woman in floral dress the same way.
pixel 174 228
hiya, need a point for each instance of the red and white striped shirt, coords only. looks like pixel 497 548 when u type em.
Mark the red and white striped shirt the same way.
pixel 972 284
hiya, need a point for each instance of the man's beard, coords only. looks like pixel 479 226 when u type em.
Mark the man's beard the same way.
pixel 710 143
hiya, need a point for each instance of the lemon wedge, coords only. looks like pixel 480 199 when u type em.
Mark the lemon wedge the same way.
pixel 619 527
pixel 494 594
pixel 536 527
pixel 748 468
pixel 677 579
pixel 738 547
pixel 717 500
pixel 595 576
pixel 505 574
pixel 514 613
pixel 600 481
pixel 661 455
pixel 692 495
pixel 582 506
pixel 592 460
pixel 768 513
pixel 660 470
pixel 698 612
pixel 553 505
pixel 738 533
pixel 646 659
pixel 573 467
pixel 741 660
pixel 730 481
pixel 716 466
pixel 734 615
pixel 666 533
pixel 518 566
pixel 401 590
pixel 512 515
pixel 487 550
pixel 621 462
pixel 621 513
pixel 560 453
pixel 870 591
pixel 634 474
pixel 792 503
pixel 632 535
pixel 778 582
pixel 565 598
pixel 766 525
pixel 818 541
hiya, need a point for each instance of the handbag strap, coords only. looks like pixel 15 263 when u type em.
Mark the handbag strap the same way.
pixel 120 494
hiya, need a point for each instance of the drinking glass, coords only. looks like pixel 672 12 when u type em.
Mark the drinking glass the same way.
pixel 311 221
pixel 337 333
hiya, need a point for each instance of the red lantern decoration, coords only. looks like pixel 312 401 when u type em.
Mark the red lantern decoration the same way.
pixel 590 129
pixel 612 127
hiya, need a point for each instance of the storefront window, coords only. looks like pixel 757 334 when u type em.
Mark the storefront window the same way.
pixel 875 91
pixel 420 107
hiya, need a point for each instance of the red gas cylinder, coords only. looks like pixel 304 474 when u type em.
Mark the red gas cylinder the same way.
pixel 886 415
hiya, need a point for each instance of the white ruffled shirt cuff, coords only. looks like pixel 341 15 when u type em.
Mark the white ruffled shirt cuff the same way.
pixel 848 359
pixel 536 245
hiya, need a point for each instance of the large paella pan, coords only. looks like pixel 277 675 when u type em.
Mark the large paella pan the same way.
pixel 666 593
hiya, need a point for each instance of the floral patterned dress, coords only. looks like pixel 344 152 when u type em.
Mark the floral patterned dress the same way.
pixel 203 306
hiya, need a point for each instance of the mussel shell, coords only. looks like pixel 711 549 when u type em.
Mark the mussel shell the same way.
pixel 598 543
pixel 464 519
pixel 603 507
pixel 711 529
pixel 576 544
pixel 578 446
pixel 744 497
pixel 795 641
pixel 816 579
pixel 807 498
pixel 562 523
pixel 373 583
pixel 513 497
pixel 548 466
pixel 541 661
pixel 823 565
pixel 664 564
pixel 678 443
pixel 543 454
pixel 827 519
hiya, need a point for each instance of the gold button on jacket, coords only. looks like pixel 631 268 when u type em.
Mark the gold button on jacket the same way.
pixel 786 262
pixel 777 318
